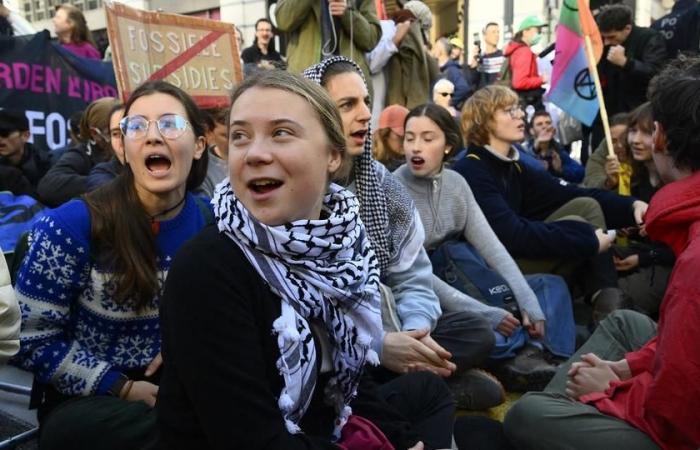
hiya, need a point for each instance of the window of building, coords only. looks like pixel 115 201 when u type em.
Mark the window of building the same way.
pixel 40 15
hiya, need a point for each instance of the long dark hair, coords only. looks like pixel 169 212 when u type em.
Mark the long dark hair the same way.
pixel 122 239
pixel 444 120
pixel 81 33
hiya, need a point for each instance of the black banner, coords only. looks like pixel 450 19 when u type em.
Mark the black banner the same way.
pixel 49 83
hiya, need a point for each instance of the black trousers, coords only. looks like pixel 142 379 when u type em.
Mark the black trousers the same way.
pixel 424 400
pixel 467 336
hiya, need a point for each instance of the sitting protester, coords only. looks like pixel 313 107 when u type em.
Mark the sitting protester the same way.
pixel 280 301
pixel 551 154
pixel 454 223
pixel 419 335
pixel 548 227
pixel 91 282
pixel 69 175
pixel 105 172
pixel 603 170
pixel 388 139
pixel 644 266
pixel 17 152
pixel 634 384
pixel 217 147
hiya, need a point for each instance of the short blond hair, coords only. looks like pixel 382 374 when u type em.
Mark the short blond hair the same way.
pixel 478 112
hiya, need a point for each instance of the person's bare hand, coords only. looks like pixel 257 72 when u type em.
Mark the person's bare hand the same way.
pixel 544 137
pixel 616 55
pixel 621 367
pixel 508 325
pixel 337 7
pixel 534 329
pixel 604 241
pixel 593 376
pixel 556 162
pixel 154 365
pixel 639 211
pixel 544 77
pixel 612 170
pixel 626 264
pixel 403 351
pixel 141 391
pixel 401 31
pixel 474 60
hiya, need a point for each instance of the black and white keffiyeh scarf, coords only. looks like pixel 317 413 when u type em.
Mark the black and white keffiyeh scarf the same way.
pixel 386 208
pixel 323 270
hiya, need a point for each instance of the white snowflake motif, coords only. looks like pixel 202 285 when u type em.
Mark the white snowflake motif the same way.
pixel 52 263
pixel 90 337
pixel 71 384
pixel 85 359
pixel 134 351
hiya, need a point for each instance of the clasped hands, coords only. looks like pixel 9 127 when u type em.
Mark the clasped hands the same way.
pixel 410 351
pixel 593 374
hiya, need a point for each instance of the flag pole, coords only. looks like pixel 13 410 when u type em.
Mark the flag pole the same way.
pixel 592 67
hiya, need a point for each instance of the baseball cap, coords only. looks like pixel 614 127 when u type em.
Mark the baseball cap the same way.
pixel 13 120
pixel 529 22
pixel 456 42
pixel 393 118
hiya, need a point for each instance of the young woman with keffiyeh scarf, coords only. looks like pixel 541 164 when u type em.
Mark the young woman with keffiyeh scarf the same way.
pixel 419 335
pixel 271 354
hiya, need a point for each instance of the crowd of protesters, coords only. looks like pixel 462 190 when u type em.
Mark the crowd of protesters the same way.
pixel 377 231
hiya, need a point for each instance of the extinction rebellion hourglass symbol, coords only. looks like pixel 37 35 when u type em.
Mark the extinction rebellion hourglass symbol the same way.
pixel 584 85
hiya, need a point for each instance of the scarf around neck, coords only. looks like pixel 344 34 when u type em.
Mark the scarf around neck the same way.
pixel 321 269
pixel 386 209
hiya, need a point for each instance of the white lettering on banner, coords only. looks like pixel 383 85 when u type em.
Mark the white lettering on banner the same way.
pixel 185 77
pixel 54 127
pixel 153 41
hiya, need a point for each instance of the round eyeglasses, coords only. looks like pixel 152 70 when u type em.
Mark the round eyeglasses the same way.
pixel 514 111
pixel 170 126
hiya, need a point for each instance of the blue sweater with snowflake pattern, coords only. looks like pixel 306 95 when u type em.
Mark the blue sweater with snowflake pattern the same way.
pixel 74 335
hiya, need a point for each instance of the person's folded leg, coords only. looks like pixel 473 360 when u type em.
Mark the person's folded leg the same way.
pixel 542 421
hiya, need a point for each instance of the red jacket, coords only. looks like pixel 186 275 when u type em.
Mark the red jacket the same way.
pixel 663 396
pixel 523 66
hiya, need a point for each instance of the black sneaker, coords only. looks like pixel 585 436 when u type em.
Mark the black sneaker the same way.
pixel 476 390
pixel 527 371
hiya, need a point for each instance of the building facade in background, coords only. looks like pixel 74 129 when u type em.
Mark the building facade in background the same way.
pixel 449 15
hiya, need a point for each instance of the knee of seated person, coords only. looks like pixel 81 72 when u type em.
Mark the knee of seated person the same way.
pixel 589 210
pixel 623 321
pixel 524 419
pixel 430 385
pixel 471 323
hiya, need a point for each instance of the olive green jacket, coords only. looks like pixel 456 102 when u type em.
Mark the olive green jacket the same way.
pixel 595 168
pixel 411 72
pixel 300 20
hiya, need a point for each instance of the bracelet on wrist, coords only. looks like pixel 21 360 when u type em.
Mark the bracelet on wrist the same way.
pixel 116 388
pixel 127 388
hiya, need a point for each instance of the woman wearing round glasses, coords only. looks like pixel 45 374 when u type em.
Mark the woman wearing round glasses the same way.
pixel 91 282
